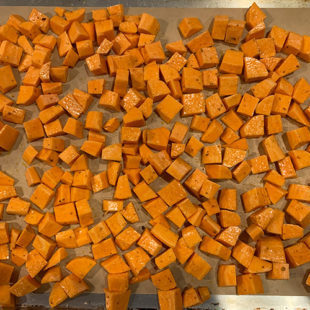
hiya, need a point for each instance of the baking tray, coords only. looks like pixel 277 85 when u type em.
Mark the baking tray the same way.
pixel 295 293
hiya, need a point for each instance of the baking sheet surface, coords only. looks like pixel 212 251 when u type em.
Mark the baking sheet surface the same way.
pixel 291 19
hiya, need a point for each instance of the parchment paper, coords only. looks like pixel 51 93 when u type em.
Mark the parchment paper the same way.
pixel 291 19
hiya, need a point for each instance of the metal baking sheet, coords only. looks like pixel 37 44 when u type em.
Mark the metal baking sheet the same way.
pixel 143 294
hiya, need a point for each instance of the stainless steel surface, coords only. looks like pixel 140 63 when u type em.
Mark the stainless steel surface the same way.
pixel 216 302
pixel 164 3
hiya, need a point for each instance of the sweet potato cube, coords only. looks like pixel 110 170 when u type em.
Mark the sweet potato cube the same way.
pixel 191 80
pixel 209 189
pixel 286 168
pixel 254 70
pixel 144 192
pixel 130 214
pixel 232 62
pixel 178 169
pixel 170 299
pixel 263 88
pixel 207 57
pixel 165 258
pixel 178 132
pixel 153 52
pixel 293 43
pixel 176 217
pixel 17 206
pixel 197 267
pixel 165 235
pixel 305 49
pixel 191 236
pixel 137 259
pixel 202 40
pixel 168 108
pixel 189 26
pixel 149 174
pixel 228 84
pixel 196 218
pixel 288 66
pixel 148 24
pixel 213 132
pixel 191 297
pixel 7 79
pixel 4 232
pixel 280 271
pixel 42 196
pixel 259 164
pixel 160 161
pixel 266 47
pixel 44 246
pixel 48 226
pixel 193 104
pixel 210 78
pixel 298 137
pixel 291 231
pixel 243 253
pixel 104 249
pixel 116 223
pixel 157 89
pixel 73 286
pixel 211 154
pixel 192 62
pixel 163 280
pixel 211 246
pixel 10 53
pixel 250 48
pixel 193 146
pixel 253 128
pixel 234 31
pixel 258 265
pixel 95 87
pixel 214 106
pixel 226 275
pixel 54 274
pixel 149 243
pixel 99 232
pixel 8 137
pixel 127 238
pixel 255 198
pixel 297 254
pixel 219 27
pixel 229 236
pixel 299 212
pixel 172 193
pixel 177 149
pixel 122 189
pixel 254 16
pixel 211 206
pixel 81 266
pixel 274 177
pixel 6 272
pixel 24 286
pixel 100 181
pixel 273 124
pixel 112 152
pixel 275 193
pixel 182 251
pixel 96 64
pixel 271 249
pixel 118 282
pixel 249 284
